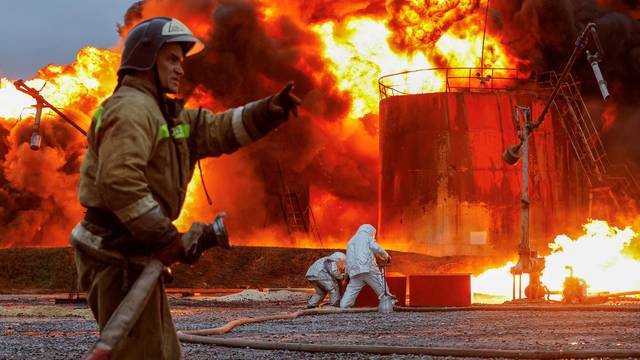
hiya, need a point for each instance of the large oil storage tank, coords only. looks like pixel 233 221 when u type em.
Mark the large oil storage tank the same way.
pixel 444 188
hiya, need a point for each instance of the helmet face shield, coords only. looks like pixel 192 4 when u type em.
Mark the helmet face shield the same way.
pixel 143 43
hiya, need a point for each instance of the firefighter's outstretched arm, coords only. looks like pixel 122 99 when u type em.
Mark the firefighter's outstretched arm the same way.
pixel 226 132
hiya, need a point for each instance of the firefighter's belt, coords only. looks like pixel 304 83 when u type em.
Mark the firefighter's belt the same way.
pixel 91 245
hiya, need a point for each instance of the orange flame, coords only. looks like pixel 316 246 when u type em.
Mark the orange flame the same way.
pixel 360 50
pixel 600 256
pixel 82 85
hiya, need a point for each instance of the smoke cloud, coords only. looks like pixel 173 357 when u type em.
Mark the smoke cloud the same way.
pixel 37 189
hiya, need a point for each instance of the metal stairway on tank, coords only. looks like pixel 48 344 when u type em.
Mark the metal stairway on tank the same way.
pixel 297 219
pixel 610 182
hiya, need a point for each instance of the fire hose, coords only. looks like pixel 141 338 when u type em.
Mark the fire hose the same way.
pixel 132 305
pixel 198 336
pixel 287 316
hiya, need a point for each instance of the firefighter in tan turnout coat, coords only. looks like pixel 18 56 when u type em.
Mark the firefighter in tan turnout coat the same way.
pixel 142 149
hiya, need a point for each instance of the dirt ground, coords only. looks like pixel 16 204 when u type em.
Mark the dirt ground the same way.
pixel 46 270
pixel 33 327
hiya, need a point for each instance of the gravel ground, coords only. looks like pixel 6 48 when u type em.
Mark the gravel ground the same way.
pixel 32 327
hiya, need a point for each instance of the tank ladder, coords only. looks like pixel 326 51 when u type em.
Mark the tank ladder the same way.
pixel 614 183
pixel 298 220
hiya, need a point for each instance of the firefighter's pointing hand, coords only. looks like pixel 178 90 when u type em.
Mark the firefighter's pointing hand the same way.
pixel 285 101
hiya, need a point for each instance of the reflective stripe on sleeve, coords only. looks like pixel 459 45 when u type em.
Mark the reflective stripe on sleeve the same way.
pixel 238 127
pixel 136 209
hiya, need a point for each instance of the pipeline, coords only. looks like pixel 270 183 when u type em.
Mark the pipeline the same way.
pixel 606 296
pixel 559 307
pixel 197 336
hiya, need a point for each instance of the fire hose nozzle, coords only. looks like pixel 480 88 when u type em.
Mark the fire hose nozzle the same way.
pixel 220 231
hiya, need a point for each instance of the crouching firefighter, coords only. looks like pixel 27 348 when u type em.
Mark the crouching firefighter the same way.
pixel 142 150
pixel 324 275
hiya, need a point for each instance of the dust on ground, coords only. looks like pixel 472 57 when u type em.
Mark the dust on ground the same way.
pixel 46 270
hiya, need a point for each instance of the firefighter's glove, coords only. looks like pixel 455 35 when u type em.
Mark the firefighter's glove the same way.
pixel 284 102
pixel 196 241
pixel 171 253
pixel 186 247
pixel 383 261
pixel 201 237
pixel 154 231
pixel 189 246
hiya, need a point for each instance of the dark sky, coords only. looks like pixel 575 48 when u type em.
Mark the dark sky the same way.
pixel 36 33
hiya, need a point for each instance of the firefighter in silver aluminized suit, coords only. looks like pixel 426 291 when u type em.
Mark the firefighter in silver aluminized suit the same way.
pixel 362 270
pixel 324 275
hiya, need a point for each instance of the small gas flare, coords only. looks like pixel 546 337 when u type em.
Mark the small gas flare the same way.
pixel 600 256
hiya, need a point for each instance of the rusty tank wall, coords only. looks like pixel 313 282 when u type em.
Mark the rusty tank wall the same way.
pixel 444 189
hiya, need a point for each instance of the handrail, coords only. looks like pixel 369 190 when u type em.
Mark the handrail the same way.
pixel 453 79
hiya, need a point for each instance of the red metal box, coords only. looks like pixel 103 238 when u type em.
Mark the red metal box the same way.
pixel 397 283
pixel 440 290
